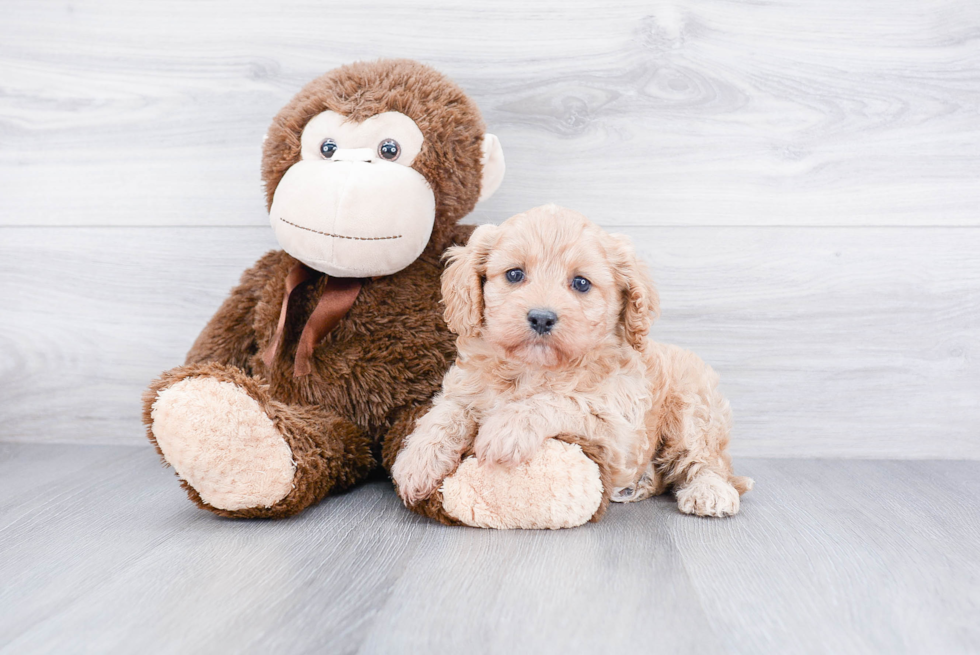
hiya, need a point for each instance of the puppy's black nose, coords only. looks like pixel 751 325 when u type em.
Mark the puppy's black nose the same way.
pixel 542 320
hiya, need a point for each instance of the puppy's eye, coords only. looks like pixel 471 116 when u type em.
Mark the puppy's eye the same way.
pixel 580 284
pixel 327 148
pixel 515 275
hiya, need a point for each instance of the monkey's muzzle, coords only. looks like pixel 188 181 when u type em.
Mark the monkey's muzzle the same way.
pixel 353 216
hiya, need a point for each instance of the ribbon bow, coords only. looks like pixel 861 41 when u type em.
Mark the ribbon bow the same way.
pixel 337 297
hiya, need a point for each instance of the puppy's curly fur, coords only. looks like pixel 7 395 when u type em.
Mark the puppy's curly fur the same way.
pixel 654 410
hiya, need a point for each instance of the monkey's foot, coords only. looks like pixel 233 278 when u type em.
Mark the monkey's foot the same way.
pixel 221 442
pixel 559 487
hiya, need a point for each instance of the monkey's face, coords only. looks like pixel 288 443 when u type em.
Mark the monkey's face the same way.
pixel 353 206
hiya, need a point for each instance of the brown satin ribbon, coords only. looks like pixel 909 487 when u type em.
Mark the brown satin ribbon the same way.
pixel 298 274
pixel 335 301
pixel 337 297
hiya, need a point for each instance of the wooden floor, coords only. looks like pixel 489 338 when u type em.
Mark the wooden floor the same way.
pixel 100 552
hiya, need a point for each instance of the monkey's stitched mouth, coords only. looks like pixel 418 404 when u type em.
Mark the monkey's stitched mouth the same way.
pixel 339 236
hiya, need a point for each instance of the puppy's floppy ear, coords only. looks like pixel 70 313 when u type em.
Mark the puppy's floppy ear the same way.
pixel 641 304
pixel 462 282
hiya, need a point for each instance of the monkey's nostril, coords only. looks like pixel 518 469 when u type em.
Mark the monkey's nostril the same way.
pixel 542 320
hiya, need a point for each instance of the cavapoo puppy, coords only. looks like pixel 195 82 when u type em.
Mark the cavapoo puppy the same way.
pixel 552 315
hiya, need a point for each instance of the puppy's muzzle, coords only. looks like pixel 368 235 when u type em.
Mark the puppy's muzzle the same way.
pixel 542 320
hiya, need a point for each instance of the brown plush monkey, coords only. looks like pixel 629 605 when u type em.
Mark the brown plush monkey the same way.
pixel 319 362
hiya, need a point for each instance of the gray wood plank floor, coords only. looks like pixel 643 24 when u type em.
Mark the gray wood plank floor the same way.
pixel 100 552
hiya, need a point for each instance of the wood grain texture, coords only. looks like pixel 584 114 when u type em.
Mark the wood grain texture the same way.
pixel 107 556
pixel 829 342
pixel 645 113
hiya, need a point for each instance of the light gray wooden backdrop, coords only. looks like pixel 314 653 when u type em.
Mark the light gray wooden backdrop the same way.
pixel 804 178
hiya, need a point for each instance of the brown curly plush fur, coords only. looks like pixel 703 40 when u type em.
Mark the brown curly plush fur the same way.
pixel 376 371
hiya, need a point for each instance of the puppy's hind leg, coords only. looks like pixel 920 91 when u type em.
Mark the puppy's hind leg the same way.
pixel 708 494
pixel 694 457
pixel 651 483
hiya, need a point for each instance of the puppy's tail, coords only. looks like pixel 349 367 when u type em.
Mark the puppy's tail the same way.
pixel 742 483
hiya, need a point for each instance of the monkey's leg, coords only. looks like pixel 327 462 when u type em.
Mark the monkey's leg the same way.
pixel 239 453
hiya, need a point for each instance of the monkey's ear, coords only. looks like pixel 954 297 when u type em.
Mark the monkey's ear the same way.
pixel 641 303
pixel 493 166
pixel 462 282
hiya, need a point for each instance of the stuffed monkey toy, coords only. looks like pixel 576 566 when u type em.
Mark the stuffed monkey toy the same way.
pixel 320 361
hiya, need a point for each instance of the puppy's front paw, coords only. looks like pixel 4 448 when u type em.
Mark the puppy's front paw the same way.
pixel 504 442
pixel 708 494
pixel 418 470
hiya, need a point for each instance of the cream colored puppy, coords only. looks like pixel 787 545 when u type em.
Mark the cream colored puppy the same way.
pixel 552 315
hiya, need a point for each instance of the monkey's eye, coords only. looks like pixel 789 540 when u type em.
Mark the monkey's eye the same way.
pixel 515 275
pixel 580 284
pixel 389 149
pixel 327 148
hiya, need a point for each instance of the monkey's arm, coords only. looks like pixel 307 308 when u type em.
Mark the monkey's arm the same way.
pixel 561 485
pixel 229 337
pixel 461 233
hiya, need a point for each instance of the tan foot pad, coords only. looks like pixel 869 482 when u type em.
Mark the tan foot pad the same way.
pixel 559 487
pixel 220 441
